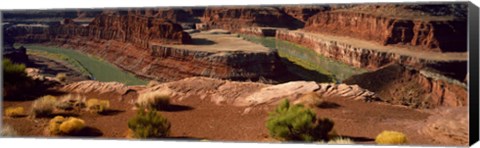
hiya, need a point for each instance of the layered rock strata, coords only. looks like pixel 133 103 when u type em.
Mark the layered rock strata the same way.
pixel 427 33
pixel 402 85
pixel 365 54
pixel 234 18
pixel 231 92
pixel 138 46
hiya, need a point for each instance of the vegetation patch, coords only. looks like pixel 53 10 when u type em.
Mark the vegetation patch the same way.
pixel 158 100
pixel 44 106
pixel 8 131
pixel 98 106
pixel 65 126
pixel 71 102
pixel 391 137
pixel 148 124
pixel 341 140
pixel 296 123
pixel 14 111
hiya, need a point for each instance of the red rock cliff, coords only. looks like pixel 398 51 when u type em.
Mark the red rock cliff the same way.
pixel 401 85
pixel 429 33
pixel 234 18
pixel 136 29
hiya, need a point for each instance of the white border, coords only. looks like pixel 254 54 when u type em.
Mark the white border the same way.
pixel 68 4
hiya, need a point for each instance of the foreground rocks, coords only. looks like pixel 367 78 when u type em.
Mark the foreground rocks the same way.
pixel 223 92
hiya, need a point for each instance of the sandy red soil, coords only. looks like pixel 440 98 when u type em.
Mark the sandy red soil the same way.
pixel 195 119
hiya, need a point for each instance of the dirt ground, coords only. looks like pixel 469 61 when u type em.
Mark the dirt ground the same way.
pixel 196 119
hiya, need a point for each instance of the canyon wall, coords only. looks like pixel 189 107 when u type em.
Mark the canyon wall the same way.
pixel 370 58
pixel 168 64
pixel 423 33
pixel 137 30
pixel 134 43
pixel 234 18
pixel 407 86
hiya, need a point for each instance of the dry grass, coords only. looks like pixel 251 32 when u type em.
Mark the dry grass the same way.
pixel 44 106
pixel 341 140
pixel 14 111
pixel 72 126
pixel 62 77
pixel 97 106
pixel 391 137
pixel 8 131
pixel 71 101
pixel 65 126
pixel 310 99
pixel 153 100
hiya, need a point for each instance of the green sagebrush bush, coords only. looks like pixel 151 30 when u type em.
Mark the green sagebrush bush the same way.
pixel 13 73
pixel 149 124
pixel 296 123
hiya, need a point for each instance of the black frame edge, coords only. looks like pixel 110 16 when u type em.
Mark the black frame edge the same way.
pixel 473 89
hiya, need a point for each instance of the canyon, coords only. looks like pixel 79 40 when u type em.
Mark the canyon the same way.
pixel 154 44
pixel 386 67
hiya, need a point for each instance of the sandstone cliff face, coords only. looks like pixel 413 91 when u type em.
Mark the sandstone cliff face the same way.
pixel 234 18
pixel 302 12
pixel 135 29
pixel 425 34
pixel 397 84
pixel 134 43
pixel 369 58
pixel 138 30
pixel 168 64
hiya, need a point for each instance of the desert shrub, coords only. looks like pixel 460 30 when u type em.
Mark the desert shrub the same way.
pixel 65 126
pixel 391 137
pixel 311 100
pixel 71 101
pixel 341 140
pixel 62 77
pixel 153 100
pixel 149 124
pixel 296 123
pixel 13 73
pixel 14 111
pixel 8 131
pixel 97 106
pixel 72 126
pixel 54 125
pixel 152 83
pixel 44 106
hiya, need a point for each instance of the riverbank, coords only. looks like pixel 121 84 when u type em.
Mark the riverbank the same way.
pixel 99 69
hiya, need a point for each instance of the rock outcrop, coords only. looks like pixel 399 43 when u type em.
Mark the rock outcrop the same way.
pixel 397 84
pixel 8 51
pixel 364 54
pixel 304 12
pixel 224 92
pixel 138 30
pixel 394 26
pixel 86 87
pixel 234 18
pixel 252 94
